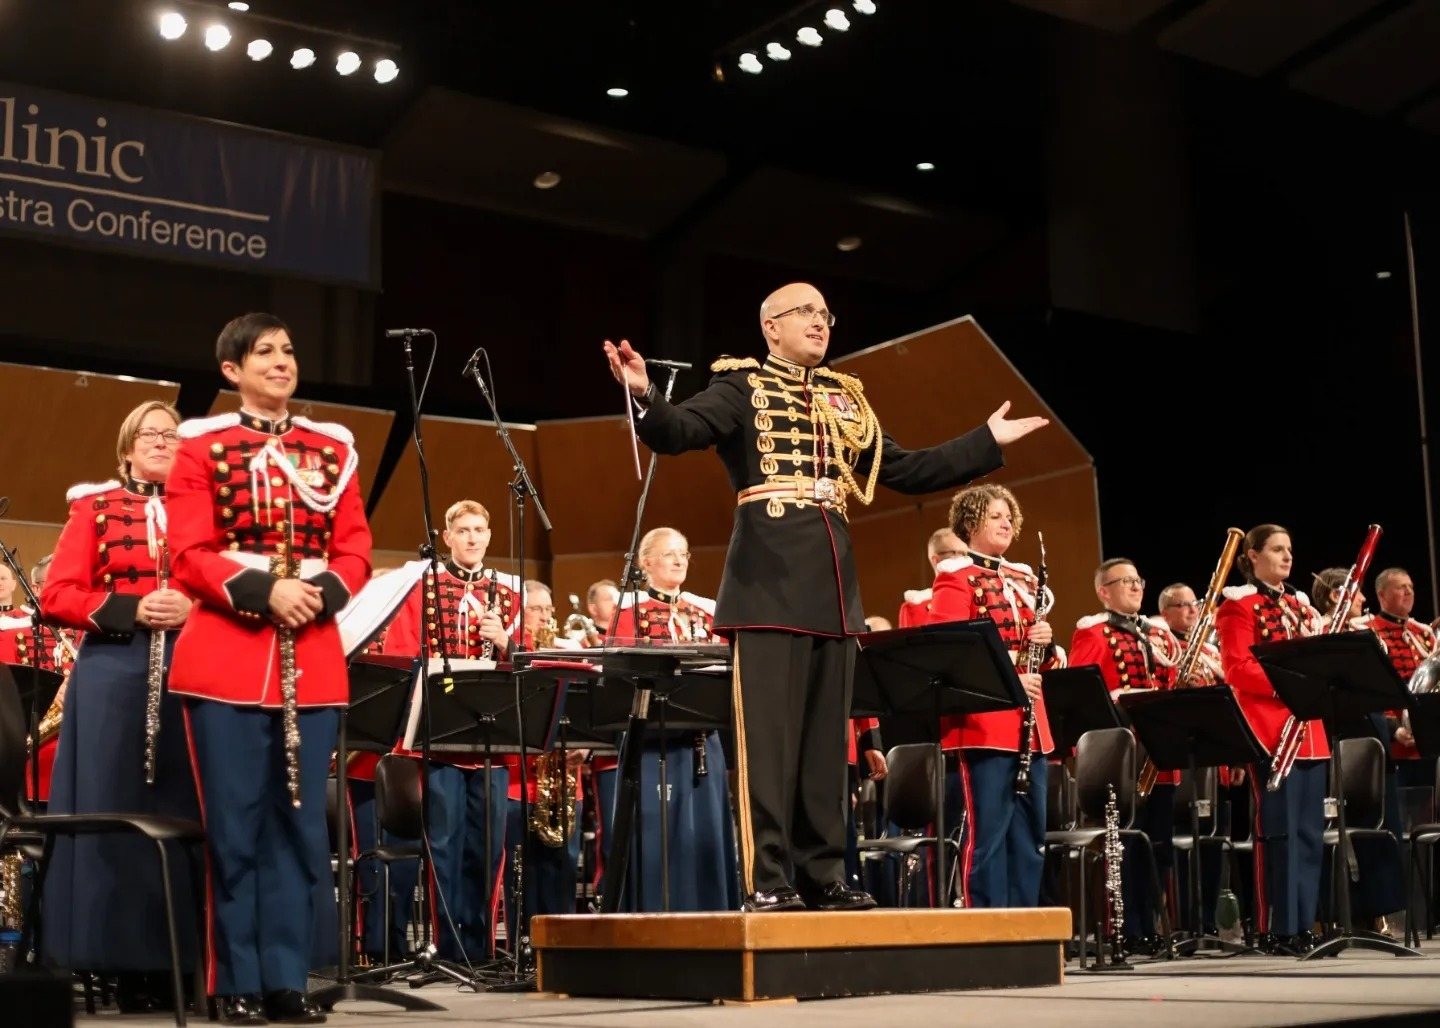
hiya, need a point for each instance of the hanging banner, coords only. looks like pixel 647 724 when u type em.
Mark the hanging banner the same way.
pixel 167 185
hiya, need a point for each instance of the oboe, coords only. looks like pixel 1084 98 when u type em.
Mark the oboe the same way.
pixel 155 670
pixel 1030 665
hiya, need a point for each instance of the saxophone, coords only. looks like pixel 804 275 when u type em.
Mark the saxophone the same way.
pixel 1189 661
pixel 552 815
pixel 1030 664
pixel 12 910
pixel 1114 855
pixel 155 669
pixel 1292 736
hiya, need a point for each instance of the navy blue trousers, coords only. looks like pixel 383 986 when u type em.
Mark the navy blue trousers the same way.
pixel 1001 857
pixel 1289 846
pixel 104 905
pixel 266 857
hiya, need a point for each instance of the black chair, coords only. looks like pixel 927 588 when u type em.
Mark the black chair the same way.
pixel 1060 811
pixel 910 805
pixel 1104 758
pixel 1211 834
pixel 1363 759
pixel 17 823
pixel 1423 839
pixel 399 813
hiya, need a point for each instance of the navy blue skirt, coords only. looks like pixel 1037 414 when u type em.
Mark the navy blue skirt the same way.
pixel 104 907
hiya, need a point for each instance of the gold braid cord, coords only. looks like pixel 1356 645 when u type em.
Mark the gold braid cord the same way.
pixel 857 437
pixel 723 364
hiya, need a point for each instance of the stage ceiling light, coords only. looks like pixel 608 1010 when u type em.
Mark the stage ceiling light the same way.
pixel 259 49
pixel 864 6
pixel 302 58
pixel 924 166
pixel 809 37
pixel 386 70
pixel 547 180
pixel 618 92
pixel 836 19
pixel 848 244
pixel 217 37
pixel 776 52
pixel 347 63
pixel 238 5
pixel 172 25
pixel 749 62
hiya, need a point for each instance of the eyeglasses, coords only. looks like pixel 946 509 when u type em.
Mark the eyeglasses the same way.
pixel 1180 603
pixel 547 608
pixel 947 554
pixel 151 436
pixel 675 555
pixel 1128 580
pixel 808 311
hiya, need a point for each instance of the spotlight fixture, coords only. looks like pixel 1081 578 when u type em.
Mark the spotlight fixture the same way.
pixel 835 18
pixel 547 180
pixel 1382 275
pixel 809 37
pixel 618 92
pixel 238 5
pixel 259 49
pixel 302 58
pixel 172 25
pixel 864 6
pixel 749 62
pixel 776 52
pixel 848 244
pixel 347 62
pixel 386 70
pixel 217 37
pixel 924 166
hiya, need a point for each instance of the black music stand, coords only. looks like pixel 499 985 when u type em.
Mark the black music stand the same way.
pixel 379 689
pixel 1076 702
pixel 1333 678
pixel 686 700
pixel 37 689
pixel 955 668
pixel 1187 729
pixel 1425 723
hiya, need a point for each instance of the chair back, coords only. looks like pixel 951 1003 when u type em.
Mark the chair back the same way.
pixel 398 807
pixel 867 810
pixel 1059 798
pixel 1185 794
pixel 1105 757
pixel 1362 763
pixel 910 786
pixel 12 747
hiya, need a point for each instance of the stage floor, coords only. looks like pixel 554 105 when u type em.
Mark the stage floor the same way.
pixel 1233 992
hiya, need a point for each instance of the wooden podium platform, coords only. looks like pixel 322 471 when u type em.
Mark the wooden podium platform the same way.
pixel 748 957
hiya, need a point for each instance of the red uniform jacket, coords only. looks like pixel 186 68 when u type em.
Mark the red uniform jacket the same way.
pixel 979 586
pixel 1131 653
pixel 916 608
pixel 1408 642
pixel 245 496
pixel 1250 616
pixel 664 618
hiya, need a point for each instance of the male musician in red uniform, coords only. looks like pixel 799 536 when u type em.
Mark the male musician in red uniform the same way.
pixel 268 531
pixel 1000 859
pixel 1180 610
pixel 942 545
pixel 1134 652
pixel 1290 820
pixel 789 593
pixel 467 612
pixel 1408 642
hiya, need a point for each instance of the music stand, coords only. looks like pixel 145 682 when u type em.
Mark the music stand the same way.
pixel 955 668
pixel 37 689
pixel 379 690
pixel 1332 678
pixel 1425 723
pixel 1076 702
pixel 1187 729
pixel 690 699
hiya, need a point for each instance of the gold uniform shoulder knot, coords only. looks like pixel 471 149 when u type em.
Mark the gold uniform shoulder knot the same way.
pixel 724 364
pixel 849 382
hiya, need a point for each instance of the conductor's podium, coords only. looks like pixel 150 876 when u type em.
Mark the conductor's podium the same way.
pixel 802 955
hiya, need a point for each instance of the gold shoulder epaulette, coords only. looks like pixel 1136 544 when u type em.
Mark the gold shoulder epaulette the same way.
pixel 848 381
pixel 733 364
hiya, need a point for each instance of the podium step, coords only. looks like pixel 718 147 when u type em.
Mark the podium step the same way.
pixel 809 955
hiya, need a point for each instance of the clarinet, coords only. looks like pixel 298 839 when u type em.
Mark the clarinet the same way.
pixel 1030 664
pixel 155 670
pixel 1114 858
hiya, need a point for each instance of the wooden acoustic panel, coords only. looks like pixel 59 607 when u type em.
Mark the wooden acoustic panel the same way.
pixel 30 540
pixel 60 428
pixel 371 427
pixel 467 462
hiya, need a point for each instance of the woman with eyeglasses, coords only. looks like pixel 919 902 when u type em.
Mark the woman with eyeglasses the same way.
pixel 702 869
pixel 1289 822
pixel 103 894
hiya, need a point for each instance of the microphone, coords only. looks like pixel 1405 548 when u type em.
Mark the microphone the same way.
pixel 672 365
pixel 472 362
pixel 401 333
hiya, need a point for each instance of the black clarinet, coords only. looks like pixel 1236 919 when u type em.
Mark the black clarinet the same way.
pixel 1030 664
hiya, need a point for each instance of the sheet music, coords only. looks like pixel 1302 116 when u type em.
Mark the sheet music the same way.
pixel 375 604
pixel 437 666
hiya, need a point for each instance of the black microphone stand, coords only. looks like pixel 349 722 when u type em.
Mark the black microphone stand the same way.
pixel 37 619
pixel 521 489
pixel 631 743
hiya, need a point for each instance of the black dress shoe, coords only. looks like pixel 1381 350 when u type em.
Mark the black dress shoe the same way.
pixel 241 1010
pixel 839 896
pixel 767 901
pixel 290 1006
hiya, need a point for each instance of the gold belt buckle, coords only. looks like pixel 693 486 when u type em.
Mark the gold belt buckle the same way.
pixel 825 490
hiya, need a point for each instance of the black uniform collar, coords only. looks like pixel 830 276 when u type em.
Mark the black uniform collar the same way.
pixel 1269 592
pixel 256 423
pixel 465 576
pixel 143 488
pixel 984 560
pixel 1127 622
pixel 1394 619
pixel 663 597
pixel 6 608
pixel 775 364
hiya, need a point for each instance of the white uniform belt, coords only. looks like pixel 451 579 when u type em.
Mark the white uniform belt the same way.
pixel 309 566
